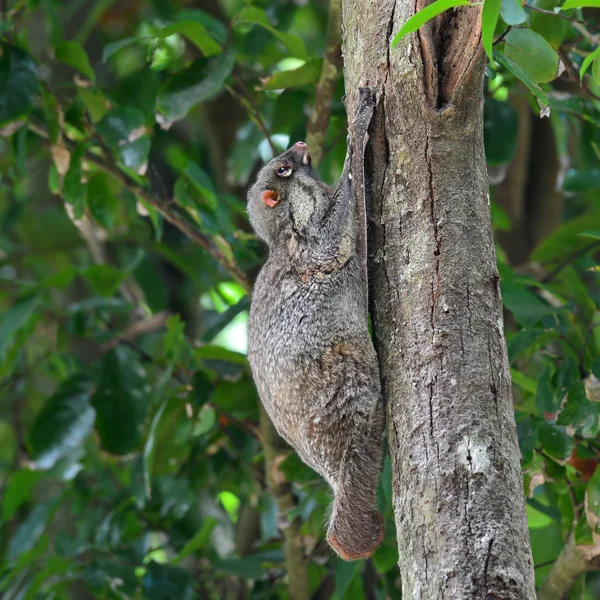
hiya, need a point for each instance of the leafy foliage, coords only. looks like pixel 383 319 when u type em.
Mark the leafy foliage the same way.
pixel 130 461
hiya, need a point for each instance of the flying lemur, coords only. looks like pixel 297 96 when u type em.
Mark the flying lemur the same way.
pixel 309 346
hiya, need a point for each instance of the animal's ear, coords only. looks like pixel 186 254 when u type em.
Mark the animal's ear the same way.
pixel 271 198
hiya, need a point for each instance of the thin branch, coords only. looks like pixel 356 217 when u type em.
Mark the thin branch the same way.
pixel 296 564
pixel 330 74
pixel 137 329
pixel 562 16
pixel 573 74
pixel 571 258
pixel 504 34
pixel 165 209
pixel 253 113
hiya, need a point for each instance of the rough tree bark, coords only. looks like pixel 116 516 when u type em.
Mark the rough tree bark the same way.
pixel 436 306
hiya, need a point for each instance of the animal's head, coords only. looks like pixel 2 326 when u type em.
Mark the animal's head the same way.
pixel 286 197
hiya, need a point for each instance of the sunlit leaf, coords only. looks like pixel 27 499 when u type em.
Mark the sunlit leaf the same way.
pixel 304 75
pixel 426 14
pixel 124 130
pixel 587 61
pixel 63 424
pixel 580 4
pixel 512 12
pixel 195 33
pixel 489 19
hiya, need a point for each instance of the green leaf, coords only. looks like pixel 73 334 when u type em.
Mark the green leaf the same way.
pixel 545 398
pixel 18 84
pixel 63 424
pixel 564 239
pixel 596 71
pixel 14 319
pixel 513 12
pixel 165 582
pixel 532 53
pixel 580 4
pixel 304 75
pixel 124 130
pixel 426 14
pixel 592 498
pixel 74 188
pixel 121 401
pixel 580 413
pixel 555 440
pixel 528 339
pixel 489 19
pixel 522 75
pixel 200 539
pixel 581 180
pixel 51 114
pixel 524 382
pixel 584 536
pixel 500 129
pixel 104 279
pixel 293 44
pixel 595 235
pixel 31 529
pixel 96 103
pixel 17 491
pixel 148 453
pixel 527 308
pixel 111 49
pixel 101 201
pixel 551 28
pixel 528 439
pixel 200 82
pixel 75 56
pixel 345 572
pixel 195 33
pixel 203 388
pixel 587 62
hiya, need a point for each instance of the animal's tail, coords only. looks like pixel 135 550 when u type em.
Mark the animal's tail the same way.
pixel 356 527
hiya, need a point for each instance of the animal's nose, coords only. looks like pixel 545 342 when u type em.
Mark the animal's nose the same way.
pixel 302 149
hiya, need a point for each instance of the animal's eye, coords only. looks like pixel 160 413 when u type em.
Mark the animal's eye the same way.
pixel 284 171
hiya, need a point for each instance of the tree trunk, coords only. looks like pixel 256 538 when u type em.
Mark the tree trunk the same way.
pixel 436 306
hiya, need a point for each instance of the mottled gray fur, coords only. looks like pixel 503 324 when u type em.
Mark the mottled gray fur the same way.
pixel 309 346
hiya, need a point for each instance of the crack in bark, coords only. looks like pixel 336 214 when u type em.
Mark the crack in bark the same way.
pixel 487 564
pixel 435 284
pixel 389 37
pixel 469 305
pixel 493 386
pixel 468 497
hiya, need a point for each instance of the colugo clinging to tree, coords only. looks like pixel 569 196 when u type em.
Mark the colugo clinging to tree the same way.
pixel 309 346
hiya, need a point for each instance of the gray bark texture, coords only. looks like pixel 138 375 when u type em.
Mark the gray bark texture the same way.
pixel 436 306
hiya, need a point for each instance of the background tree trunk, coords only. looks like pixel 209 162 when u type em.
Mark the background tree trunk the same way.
pixel 437 311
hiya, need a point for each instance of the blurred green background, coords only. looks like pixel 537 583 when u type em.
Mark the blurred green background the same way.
pixel 131 457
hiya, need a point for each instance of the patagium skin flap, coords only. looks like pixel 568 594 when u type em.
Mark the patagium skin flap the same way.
pixel 309 346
